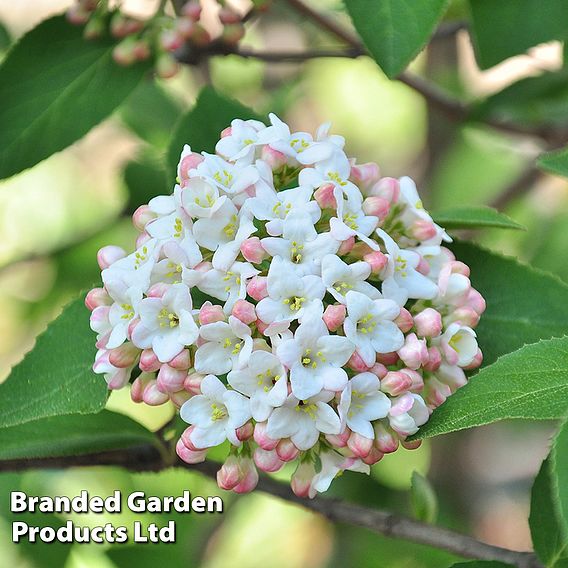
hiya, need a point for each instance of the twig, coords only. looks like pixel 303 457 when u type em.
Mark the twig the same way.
pixel 148 458
pixel 521 185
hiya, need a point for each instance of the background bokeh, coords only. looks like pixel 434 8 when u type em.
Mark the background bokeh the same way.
pixel 54 217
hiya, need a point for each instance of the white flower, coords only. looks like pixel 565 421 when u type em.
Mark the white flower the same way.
pixel 229 178
pixel 333 463
pixel 408 412
pixel 369 325
pixel 227 346
pixel 264 381
pixel 121 313
pixel 241 142
pixel 339 278
pixel 301 247
pixel 228 286
pixel 171 268
pixel 362 402
pixel 459 344
pixel 315 358
pixel 272 206
pixel 402 280
pixel 352 221
pixel 201 199
pixel 303 421
pixel 166 323
pixel 289 296
pixel 216 413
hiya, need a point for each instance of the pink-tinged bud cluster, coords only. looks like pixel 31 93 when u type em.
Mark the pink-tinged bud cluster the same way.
pixel 158 37
pixel 319 323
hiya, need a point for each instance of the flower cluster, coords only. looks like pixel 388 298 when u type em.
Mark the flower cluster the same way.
pixel 290 301
pixel 162 35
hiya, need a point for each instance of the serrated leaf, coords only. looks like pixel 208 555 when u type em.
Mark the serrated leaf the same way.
pixel 202 125
pixel 54 87
pixel 145 178
pixel 503 29
pixel 55 377
pixel 549 534
pixel 473 217
pixel 531 383
pixel 72 434
pixel 423 499
pixel 395 31
pixel 555 162
pixel 560 468
pixel 523 304
pixel 151 113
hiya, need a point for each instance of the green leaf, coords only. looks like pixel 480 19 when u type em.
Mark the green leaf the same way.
pixel 5 38
pixel 151 113
pixel 506 28
pixel 531 383
pixel 54 87
pixel 481 564
pixel 555 162
pixel 202 125
pixel 55 377
pixel 145 178
pixel 473 217
pixel 394 31
pixel 549 534
pixel 560 463
pixel 523 304
pixel 539 101
pixel 423 499
pixel 72 434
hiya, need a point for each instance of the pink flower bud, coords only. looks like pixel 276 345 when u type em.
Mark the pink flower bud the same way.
pixel 166 65
pixel 233 33
pixel 387 359
pixel 476 362
pixel 257 288
pixel 226 132
pixel 416 378
pixel 434 359
pixel 192 10
pixel 261 326
pixel 141 50
pixel 423 266
pixel 184 27
pixel 124 356
pixel 118 378
pixel 252 250
pixel 359 445
pixel 77 15
pixel 465 315
pixel 262 439
pixel 170 379
pixel 386 440
pixel 378 369
pixel 244 311
pixel 228 16
pixel 374 456
pixel 377 260
pixel 189 162
pixel 186 438
pixel 286 450
pixel 395 383
pixel 142 216
pixel 413 445
pixel 267 461
pixel 123 53
pixel 109 255
pixel 423 230
pixel 249 476
pixel 142 239
pixel 190 456
pixel 245 432
pixel 357 364
pixel 365 175
pixel 435 393
pixel 476 301
pixel 230 474
pixel 138 386
pixel 346 246
pixel 376 206
pixel 325 197
pixel 97 297
pixel 153 396
pixel 170 40
pixel 273 158
pixel 148 361
pixel 192 383
pixel 414 352
pixel 210 313
pixel 404 320
pixel 158 290
pixel 458 267
pixel 387 188
pixel 182 361
pixel 99 319
pixel 452 376
pixel 302 479
pixel 179 398
pixel 428 323
pixel 334 316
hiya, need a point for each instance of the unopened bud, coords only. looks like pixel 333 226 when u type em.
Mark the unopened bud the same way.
pixel 109 255
pixel 376 206
pixel 210 313
pixel 253 251
pixel 267 460
pixel 428 323
pixel 387 188
pixel 334 316
pixel 324 195
pixel 190 456
pixel 166 66
pixel 257 288
pixel 359 445
pixel 170 379
pixel 124 356
pixel 192 383
pixel 262 438
pixel 97 297
pixel 395 383
pixel 244 311
pixel 377 260
pixel 286 450
pixel 404 320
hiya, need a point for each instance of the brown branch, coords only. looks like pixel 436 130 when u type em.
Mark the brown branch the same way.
pixel 149 458
pixel 519 187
